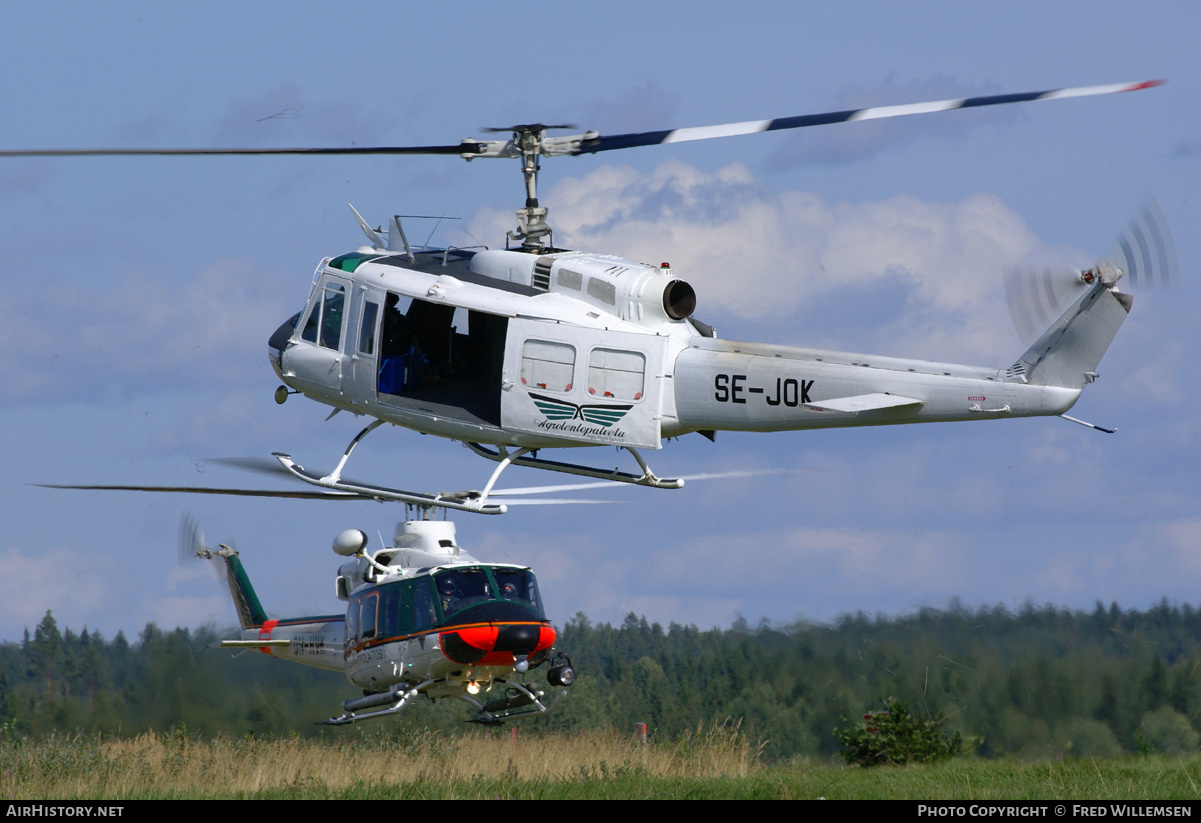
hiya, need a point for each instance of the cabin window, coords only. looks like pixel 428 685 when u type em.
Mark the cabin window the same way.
pixel 602 290
pixel 367 327
pixel 425 615
pixel 350 262
pixel 392 617
pixel 352 622
pixel 324 324
pixel 616 375
pixel 569 279
pixel 367 615
pixel 547 366
pixel 332 308
pixel 517 585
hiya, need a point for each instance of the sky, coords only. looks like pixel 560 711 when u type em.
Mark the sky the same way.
pixel 141 292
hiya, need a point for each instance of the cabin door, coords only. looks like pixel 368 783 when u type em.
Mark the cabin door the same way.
pixel 319 364
pixel 584 385
pixel 362 344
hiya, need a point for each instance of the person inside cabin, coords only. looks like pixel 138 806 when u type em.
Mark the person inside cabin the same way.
pixel 432 333
pixel 395 330
pixel 449 590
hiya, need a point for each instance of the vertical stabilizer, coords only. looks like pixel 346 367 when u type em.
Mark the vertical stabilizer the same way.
pixel 246 602
pixel 1067 354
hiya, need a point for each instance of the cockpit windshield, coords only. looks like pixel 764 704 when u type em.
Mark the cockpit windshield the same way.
pixel 518 585
pixel 462 588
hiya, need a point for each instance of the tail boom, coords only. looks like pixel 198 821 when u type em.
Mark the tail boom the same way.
pixel 738 386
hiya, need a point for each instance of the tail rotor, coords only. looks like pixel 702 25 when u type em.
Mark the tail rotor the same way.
pixel 192 544
pixel 1144 253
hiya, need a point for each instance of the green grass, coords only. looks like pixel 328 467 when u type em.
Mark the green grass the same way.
pixel 714 764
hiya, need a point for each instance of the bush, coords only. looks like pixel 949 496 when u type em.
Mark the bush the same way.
pixel 1169 732
pixel 896 736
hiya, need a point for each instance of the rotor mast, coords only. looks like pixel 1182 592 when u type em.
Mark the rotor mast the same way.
pixel 531 220
pixel 529 143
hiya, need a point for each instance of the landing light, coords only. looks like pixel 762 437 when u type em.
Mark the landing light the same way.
pixel 473 687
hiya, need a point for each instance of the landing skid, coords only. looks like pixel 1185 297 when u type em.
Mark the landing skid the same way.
pixel 525 703
pixel 385 703
pixel 518 458
pixel 470 501
pixel 459 501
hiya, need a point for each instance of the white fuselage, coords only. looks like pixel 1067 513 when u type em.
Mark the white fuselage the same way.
pixel 571 349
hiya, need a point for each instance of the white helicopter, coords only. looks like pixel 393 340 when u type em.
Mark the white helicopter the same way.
pixel 423 618
pixel 515 350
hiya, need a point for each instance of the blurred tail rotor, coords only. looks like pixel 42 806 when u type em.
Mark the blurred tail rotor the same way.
pixel 1145 253
pixel 192 544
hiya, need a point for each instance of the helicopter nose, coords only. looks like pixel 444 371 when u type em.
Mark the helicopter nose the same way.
pixel 495 644
pixel 279 341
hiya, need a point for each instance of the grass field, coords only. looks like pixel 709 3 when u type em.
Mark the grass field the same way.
pixel 712 763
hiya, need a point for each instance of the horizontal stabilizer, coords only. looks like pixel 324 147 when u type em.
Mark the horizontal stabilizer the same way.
pixel 253 644
pixel 863 402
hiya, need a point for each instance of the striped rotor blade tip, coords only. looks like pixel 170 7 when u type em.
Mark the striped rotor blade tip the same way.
pixel 601 143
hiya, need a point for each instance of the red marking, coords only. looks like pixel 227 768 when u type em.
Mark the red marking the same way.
pixel 566 389
pixel 542 385
pixel 265 634
pixel 523 382
pixel 592 391
pixel 1147 84
pixel 483 637
pixel 608 394
pixel 638 396
pixel 479 637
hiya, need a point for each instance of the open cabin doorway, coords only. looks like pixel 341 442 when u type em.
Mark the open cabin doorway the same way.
pixel 442 358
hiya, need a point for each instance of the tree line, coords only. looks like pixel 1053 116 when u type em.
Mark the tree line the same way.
pixel 1032 682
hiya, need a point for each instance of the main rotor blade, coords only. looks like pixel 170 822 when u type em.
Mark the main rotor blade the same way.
pixel 332 494
pixel 258 465
pixel 461 148
pixel 654 138
pixel 592 143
